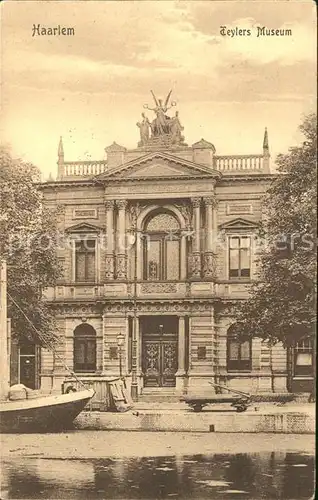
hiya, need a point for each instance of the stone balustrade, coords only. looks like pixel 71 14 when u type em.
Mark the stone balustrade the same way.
pixel 239 162
pixel 84 168
pixel 235 163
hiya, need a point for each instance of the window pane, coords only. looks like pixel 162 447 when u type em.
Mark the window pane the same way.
pixel 91 352
pixel 234 259
pixel 154 260
pixel 245 258
pixel 245 350
pixel 90 245
pixel 245 273
pixel 80 267
pixel 233 349
pixel 90 272
pixel 303 359
pixel 172 257
pixel 79 354
pixel 234 242
pixel 245 242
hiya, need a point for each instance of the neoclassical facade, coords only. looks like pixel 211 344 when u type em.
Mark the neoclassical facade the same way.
pixel 158 246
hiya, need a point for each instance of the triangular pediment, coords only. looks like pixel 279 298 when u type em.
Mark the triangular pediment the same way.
pixel 239 224
pixel 83 228
pixel 159 165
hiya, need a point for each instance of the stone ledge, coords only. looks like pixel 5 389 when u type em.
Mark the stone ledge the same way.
pixel 230 422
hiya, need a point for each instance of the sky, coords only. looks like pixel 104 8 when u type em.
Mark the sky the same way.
pixel 90 88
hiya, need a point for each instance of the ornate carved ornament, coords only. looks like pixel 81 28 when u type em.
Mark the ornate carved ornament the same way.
pixel 196 202
pixel 78 310
pixel 187 213
pixel 109 204
pixel 210 200
pixel 158 287
pixel 151 306
pixel 134 210
pixel 121 204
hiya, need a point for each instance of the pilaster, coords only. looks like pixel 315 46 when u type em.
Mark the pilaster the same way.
pixel 121 254
pixel 209 254
pixel 109 264
pixel 181 347
pixel 196 248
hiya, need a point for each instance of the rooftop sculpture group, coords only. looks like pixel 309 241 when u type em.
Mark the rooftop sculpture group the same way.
pixel 163 129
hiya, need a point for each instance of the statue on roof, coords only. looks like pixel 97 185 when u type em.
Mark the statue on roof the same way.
pixel 144 127
pixel 165 130
pixel 161 125
pixel 176 129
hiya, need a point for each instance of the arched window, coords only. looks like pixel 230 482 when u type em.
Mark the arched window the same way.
pixel 162 247
pixel 84 348
pixel 239 351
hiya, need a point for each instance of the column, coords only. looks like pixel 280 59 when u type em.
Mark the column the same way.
pixel 181 347
pixel 196 250
pixel 121 256
pixel 135 363
pixel 181 356
pixel 109 204
pixel 183 258
pixel 209 257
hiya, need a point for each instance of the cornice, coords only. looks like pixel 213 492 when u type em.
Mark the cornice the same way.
pixel 145 179
pixel 58 185
pixel 247 177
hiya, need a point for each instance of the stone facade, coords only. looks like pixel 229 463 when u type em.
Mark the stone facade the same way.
pixel 160 220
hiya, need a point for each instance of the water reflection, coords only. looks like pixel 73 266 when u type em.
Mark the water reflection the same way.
pixel 255 476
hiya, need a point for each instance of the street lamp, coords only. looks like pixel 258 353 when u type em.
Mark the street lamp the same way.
pixel 120 342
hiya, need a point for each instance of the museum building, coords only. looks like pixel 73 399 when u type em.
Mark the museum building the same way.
pixel 159 244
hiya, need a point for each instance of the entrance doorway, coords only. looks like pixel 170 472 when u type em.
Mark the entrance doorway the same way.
pixel 159 350
pixel 28 369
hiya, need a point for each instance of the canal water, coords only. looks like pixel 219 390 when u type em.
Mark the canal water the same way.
pixel 270 475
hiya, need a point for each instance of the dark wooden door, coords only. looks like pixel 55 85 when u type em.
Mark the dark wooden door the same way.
pixel 160 361
pixel 29 360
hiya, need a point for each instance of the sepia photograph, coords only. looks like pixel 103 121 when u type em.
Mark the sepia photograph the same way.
pixel 158 249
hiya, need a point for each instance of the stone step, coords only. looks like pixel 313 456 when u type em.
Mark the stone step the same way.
pixel 159 395
pixel 158 399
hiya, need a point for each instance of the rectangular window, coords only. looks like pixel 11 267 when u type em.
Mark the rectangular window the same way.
pixel 84 355
pixel 239 257
pixel 85 261
pixel 154 258
pixel 201 352
pixel 303 358
pixel 172 258
pixel 239 354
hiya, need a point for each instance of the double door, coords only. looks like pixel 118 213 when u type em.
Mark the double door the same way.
pixel 160 360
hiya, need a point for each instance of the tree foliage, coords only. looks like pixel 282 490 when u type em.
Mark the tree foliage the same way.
pixel 28 243
pixel 281 306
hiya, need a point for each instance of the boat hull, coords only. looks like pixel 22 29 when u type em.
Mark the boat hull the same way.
pixel 44 414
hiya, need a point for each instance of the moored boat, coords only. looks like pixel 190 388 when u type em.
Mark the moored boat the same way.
pixel 27 414
pixel 43 414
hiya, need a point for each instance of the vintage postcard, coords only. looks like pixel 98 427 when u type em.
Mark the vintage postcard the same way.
pixel 157 248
